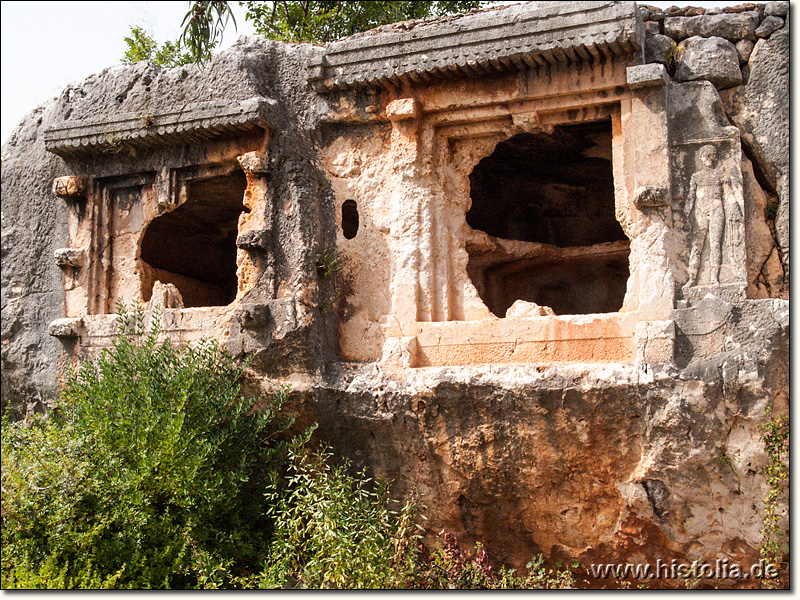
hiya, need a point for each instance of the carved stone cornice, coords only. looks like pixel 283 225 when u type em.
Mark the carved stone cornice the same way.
pixel 486 42
pixel 189 123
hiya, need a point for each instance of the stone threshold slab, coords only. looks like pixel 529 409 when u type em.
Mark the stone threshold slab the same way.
pixel 599 338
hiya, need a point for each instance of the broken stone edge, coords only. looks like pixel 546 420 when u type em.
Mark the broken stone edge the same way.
pixel 67 328
pixel 191 123
pixel 492 41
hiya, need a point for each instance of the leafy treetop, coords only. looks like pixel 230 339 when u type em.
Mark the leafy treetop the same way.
pixel 328 20
pixel 316 22
pixel 141 46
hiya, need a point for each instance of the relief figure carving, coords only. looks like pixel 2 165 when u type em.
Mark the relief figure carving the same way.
pixel 711 205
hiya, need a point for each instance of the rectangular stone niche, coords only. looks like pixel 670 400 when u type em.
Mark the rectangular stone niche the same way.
pixel 544 227
pixel 193 247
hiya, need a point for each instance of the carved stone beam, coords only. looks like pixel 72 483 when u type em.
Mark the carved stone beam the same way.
pixel 70 257
pixel 70 188
pixel 252 316
pixel 255 163
pixel 644 76
pixel 403 109
pixel 254 239
pixel 651 196
pixel 66 328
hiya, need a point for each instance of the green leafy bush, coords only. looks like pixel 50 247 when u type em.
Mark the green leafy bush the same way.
pixel 141 46
pixel 333 530
pixel 775 435
pixel 150 474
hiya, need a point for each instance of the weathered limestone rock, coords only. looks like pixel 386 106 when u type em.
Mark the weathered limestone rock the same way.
pixel 610 431
pixel 655 342
pixel 70 257
pixel 777 9
pixel 520 308
pixel 660 48
pixel 760 109
pixel 256 163
pixel 713 59
pixel 645 76
pixel 764 271
pixel 744 48
pixel 768 26
pixel 165 296
pixel 70 187
pixel 66 328
pixel 402 109
pixel 732 27
pixel 32 291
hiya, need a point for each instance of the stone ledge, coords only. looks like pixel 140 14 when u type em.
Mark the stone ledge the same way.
pixel 650 75
pixel 190 123
pixel 69 257
pixel 596 338
pixel 66 328
pixel 487 42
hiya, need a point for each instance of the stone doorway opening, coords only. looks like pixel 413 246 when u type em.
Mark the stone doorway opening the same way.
pixel 194 246
pixel 545 228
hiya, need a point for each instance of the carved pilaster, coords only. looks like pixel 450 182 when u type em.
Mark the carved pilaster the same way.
pixel 406 204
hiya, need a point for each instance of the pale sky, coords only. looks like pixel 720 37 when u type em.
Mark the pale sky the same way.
pixel 48 45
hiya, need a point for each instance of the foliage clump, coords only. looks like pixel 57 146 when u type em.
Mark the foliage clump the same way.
pixel 775 435
pixel 327 20
pixel 335 531
pixel 142 46
pixel 149 474
pixel 449 567
pixel 317 22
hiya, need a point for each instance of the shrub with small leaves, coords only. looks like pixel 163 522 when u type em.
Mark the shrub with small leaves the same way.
pixel 141 46
pixel 150 473
pixel 153 472
pixel 333 530
pixel 775 435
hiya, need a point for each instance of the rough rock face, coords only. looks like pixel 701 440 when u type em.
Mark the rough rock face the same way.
pixel 630 462
pixel 660 48
pixel 731 27
pixel 760 109
pixel 711 59
pixel 33 226
pixel 542 283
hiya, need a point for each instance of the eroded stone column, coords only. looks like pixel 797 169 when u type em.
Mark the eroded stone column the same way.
pixel 642 179
pixel 406 199
pixel 255 225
